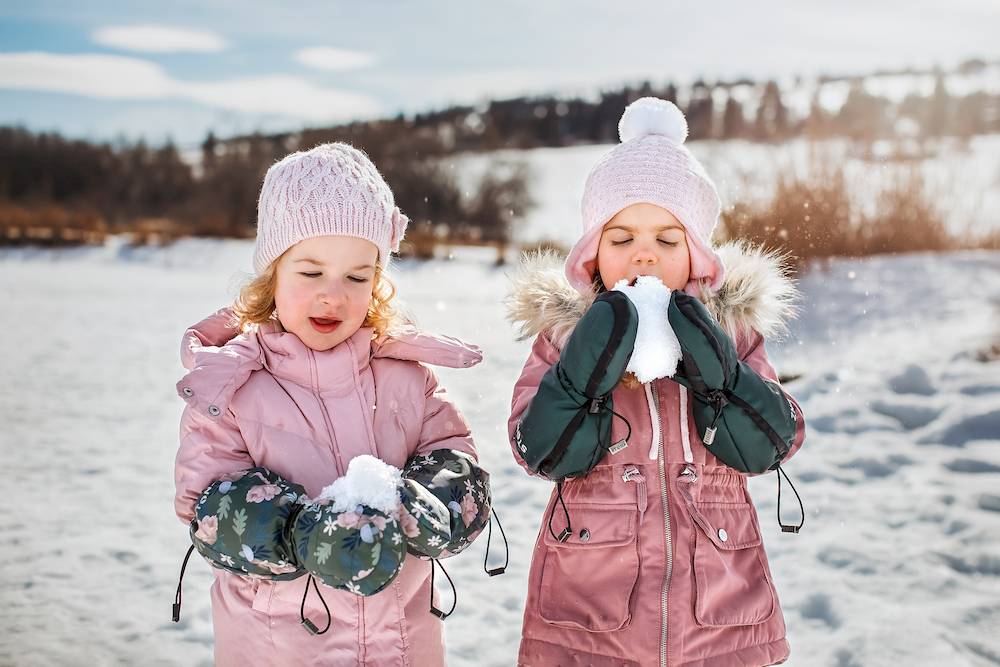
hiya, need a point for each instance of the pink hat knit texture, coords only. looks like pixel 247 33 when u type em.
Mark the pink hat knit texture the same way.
pixel 651 165
pixel 330 190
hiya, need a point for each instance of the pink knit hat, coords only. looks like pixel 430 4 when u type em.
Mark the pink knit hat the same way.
pixel 652 166
pixel 331 190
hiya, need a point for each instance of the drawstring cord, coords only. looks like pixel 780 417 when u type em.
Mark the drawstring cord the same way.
pixel 180 580
pixel 310 626
pixel 789 528
pixel 623 443
pixel 568 530
pixel 454 592
pixel 506 548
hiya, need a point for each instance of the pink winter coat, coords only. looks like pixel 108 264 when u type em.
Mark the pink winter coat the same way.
pixel 265 399
pixel 670 569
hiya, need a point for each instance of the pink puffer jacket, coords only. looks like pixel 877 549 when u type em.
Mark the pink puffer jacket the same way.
pixel 665 565
pixel 265 399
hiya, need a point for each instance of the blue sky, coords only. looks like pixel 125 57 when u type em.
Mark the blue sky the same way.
pixel 105 69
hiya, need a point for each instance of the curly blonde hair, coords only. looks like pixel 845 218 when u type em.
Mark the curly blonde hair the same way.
pixel 255 303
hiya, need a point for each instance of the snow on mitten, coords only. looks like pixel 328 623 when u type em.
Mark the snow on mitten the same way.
pixel 349 536
pixel 657 350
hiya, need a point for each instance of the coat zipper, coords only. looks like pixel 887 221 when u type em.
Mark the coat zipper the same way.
pixel 313 375
pixel 665 586
pixel 326 417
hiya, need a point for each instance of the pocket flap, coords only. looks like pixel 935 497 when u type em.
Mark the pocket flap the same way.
pixel 594 525
pixel 730 526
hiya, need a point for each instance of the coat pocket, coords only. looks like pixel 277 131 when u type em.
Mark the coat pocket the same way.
pixel 731 584
pixel 587 581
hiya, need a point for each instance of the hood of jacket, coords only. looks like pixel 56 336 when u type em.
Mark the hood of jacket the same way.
pixel 758 293
pixel 220 359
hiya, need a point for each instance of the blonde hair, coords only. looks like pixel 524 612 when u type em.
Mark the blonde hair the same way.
pixel 255 303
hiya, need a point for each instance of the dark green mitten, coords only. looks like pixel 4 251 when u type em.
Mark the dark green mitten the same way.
pixel 566 429
pixel 744 420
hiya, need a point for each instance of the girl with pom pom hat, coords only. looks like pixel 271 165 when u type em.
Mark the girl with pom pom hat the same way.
pixel 649 551
pixel 651 165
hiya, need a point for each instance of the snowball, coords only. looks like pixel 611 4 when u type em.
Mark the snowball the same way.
pixel 657 350
pixel 651 115
pixel 368 481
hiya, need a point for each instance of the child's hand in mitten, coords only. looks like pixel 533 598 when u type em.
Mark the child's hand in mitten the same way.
pixel 445 502
pixel 349 536
pixel 242 523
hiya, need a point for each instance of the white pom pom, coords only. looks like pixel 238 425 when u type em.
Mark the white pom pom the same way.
pixel 651 115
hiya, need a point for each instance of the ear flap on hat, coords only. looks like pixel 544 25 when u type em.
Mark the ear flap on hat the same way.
pixel 399 224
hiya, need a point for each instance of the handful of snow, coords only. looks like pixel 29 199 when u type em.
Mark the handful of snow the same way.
pixel 657 350
pixel 368 481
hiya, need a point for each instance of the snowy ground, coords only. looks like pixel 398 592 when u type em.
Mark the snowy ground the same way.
pixel 897 564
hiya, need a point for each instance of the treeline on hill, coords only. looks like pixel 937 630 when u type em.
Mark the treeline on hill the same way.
pixel 740 109
pixel 55 190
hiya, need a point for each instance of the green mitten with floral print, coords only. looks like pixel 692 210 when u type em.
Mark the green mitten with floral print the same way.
pixel 255 523
pixel 349 536
pixel 240 524
pixel 446 502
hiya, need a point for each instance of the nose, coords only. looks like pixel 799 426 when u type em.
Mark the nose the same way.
pixel 331 294
pixel 644 257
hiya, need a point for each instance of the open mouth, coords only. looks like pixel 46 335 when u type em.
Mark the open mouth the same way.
pixel 324 325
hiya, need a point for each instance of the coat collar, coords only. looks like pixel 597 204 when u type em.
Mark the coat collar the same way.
pixel 220 360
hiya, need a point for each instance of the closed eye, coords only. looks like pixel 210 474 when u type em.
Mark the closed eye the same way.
pixel 626 241
pixel 357 279
pixel 310 274
pixel 669 243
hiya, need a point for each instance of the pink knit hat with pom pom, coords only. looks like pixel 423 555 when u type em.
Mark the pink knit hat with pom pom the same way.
pixel 650 166
pixel 330 190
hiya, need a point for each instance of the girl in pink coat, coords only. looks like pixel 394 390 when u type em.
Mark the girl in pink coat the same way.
pixel 653 556
pixel 307 373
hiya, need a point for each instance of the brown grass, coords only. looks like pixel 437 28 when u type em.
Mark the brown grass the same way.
pixel 818 216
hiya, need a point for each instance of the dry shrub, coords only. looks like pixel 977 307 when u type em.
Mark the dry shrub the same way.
pixel 818 216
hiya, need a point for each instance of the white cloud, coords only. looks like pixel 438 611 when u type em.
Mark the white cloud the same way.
pixel 151 38
pixel 93 75
pixel 120 77
pixel 323 57
pixel 285 95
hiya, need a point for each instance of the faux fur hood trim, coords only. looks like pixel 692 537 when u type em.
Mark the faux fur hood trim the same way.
pixel 757 292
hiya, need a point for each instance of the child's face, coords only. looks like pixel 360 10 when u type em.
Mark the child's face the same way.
pixel 324 287
pixel 644 240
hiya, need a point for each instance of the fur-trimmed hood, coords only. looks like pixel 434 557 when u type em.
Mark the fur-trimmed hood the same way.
pixel 757 292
